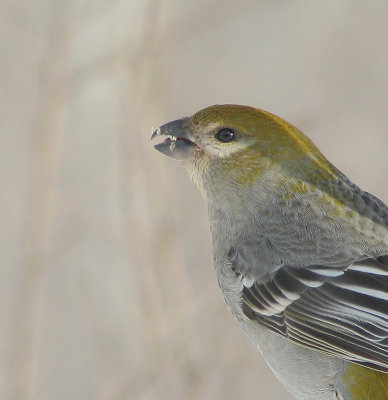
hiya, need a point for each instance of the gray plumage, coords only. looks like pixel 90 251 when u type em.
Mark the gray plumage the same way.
pixel 300 252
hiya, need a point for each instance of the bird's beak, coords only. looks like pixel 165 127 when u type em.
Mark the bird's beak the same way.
pixel 177 144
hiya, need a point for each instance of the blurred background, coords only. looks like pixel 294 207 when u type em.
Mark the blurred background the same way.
pixel 107 289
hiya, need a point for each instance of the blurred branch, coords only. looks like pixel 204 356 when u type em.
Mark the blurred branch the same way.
pixel 159 37
pixel 40 207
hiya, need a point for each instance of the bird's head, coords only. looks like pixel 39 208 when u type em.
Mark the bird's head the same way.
pixel 236 147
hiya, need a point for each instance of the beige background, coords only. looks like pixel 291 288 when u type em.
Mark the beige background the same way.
pixel 107 290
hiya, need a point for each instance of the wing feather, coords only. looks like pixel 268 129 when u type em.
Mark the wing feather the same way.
pixel 341 310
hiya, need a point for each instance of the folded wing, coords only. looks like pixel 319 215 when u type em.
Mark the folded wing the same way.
pixel 341 310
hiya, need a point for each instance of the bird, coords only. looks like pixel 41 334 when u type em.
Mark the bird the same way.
pixel 300 251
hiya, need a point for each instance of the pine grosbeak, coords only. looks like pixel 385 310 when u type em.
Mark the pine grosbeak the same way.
pixel 300 252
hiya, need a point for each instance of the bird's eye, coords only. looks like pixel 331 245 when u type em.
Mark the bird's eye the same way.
pixel 225 135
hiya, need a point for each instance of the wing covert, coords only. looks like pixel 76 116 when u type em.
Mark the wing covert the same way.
pixel 341 310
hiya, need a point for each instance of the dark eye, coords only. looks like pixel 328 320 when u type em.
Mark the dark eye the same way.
pixel 225 135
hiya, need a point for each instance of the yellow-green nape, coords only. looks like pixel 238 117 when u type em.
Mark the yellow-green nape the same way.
pixel 365 383
pixel 273 138
pixel 246 118
pixel 252 122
